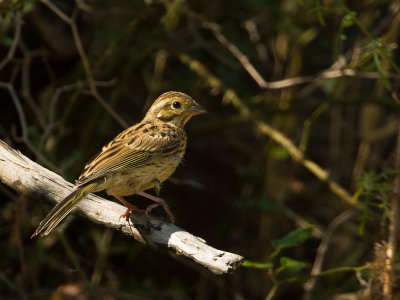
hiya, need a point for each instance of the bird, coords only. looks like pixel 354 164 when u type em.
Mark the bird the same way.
pixel 141 157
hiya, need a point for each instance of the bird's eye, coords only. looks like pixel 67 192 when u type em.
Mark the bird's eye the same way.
pixel 176 104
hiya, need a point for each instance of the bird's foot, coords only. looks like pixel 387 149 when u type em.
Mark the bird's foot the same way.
pixel 130 207
pixel 159 202
pixel 165 207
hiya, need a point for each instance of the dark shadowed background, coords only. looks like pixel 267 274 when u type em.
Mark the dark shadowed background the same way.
pixel 292 167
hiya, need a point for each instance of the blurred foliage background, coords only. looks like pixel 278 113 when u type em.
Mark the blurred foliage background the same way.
pixel 292 167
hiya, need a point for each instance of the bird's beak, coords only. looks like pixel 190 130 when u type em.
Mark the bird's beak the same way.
pixel 196 109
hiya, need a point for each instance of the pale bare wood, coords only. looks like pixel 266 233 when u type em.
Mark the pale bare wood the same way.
pixel 37 182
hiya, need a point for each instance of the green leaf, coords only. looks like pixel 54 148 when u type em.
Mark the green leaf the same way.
pixel 321 17
pixel 292 265
pixel 294 238
pixel 258 265
pixel 318 9
pixel 348 20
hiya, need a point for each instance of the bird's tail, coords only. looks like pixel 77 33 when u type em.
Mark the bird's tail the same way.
pixel 61 210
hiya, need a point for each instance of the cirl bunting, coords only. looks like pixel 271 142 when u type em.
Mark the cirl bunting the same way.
pixel 139 158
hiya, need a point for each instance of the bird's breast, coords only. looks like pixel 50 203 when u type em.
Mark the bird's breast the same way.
pixel 144 177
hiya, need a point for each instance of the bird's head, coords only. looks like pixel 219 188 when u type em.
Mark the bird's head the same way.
pixel 174 107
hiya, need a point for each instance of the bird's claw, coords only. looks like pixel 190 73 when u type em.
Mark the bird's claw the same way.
pixel 165 207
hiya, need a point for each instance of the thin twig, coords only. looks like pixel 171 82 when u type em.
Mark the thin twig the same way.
pixel 54 100
pixel 84 59
pixel 26 85
pixel 300 221
pixel 56 95
pixel 57 11
pixel 285 83
pixel 313 167
pixel 17 35
pixel 24 128
pixel 322 250
pixel 243 59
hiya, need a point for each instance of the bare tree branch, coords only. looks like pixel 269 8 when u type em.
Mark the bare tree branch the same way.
pixel 36 182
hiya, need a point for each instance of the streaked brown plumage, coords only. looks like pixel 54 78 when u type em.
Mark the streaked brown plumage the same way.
pixel 139 158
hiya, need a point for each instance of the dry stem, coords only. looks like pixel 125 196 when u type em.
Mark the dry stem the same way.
pixel 389 274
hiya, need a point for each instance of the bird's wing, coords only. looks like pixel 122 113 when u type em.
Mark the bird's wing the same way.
pixel 132 148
